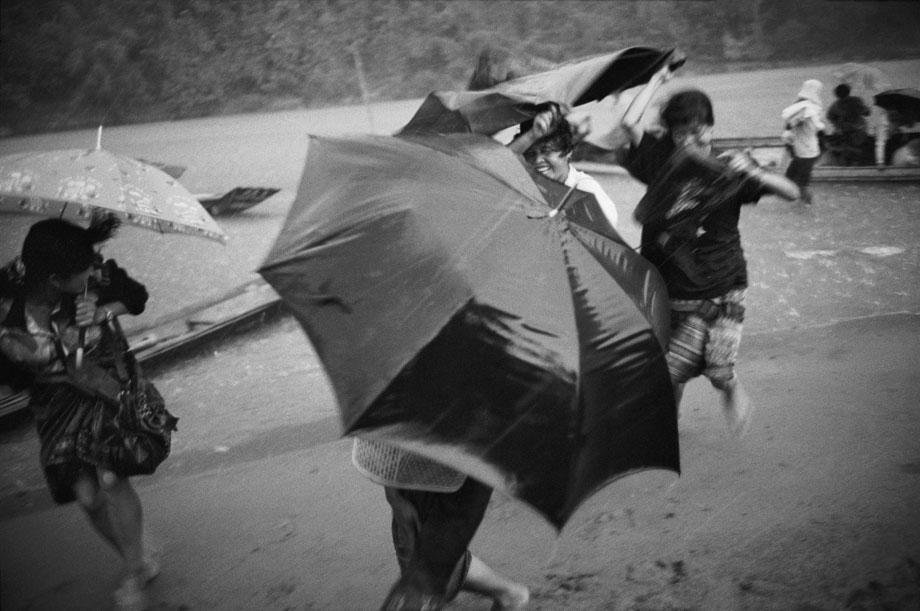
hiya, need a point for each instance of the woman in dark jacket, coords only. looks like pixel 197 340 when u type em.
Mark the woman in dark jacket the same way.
pixel 61 304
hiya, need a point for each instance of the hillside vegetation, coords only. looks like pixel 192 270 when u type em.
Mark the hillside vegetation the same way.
pixel 74 63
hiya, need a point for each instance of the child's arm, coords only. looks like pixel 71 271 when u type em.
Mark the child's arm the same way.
pixel 774 183
pixel 632 118
pixel 541 126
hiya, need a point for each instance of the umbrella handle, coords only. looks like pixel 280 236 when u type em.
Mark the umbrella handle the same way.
pixel 78 356
pixel 81 342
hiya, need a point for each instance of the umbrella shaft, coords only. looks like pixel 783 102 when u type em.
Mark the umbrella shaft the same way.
pixel 565 199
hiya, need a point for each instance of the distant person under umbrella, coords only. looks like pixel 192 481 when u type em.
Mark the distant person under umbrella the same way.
pixel 902 110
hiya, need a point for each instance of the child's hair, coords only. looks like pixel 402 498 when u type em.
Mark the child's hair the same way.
pixel 58 247
pixel 687 107
pixel 842 90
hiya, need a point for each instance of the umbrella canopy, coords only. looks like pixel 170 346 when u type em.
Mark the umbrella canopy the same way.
pixel 906 101
pixel 74 182
pixel 864 80
pixel 489 111
pixel 456 318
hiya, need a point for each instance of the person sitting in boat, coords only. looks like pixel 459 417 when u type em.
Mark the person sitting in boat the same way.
pixel 849 142
pixel 903 138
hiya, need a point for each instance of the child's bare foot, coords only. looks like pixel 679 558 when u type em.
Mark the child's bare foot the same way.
pixel 737 407
pixel 516 596
pixel 505 593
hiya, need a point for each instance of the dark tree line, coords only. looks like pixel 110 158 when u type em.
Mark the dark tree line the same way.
pixel 70 63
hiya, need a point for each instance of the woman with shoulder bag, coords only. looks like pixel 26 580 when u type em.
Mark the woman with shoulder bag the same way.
pixel 62 305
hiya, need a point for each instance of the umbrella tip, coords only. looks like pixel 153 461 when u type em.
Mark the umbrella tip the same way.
pixel 99 138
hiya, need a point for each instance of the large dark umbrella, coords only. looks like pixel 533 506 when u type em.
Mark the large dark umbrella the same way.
pixel 457 319
pixel 489 111
pixel 906 101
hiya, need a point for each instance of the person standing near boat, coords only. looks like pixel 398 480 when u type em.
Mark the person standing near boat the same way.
pixel 803 128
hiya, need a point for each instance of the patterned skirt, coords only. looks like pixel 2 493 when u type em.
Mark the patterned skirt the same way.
pixel 69 448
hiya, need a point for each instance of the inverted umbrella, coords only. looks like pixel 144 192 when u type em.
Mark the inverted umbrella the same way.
pixel 489 111
pixel 456 318
pixel 74 182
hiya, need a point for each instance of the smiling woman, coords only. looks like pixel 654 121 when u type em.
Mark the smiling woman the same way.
pixel 547 144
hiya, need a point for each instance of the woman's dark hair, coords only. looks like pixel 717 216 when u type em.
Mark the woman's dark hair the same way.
pixel 842 90
pixel 559 139
pixel 687 107
pixel 59 247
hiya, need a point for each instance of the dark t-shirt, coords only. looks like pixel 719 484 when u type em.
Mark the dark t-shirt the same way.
pixel 689 218
pixel 848 114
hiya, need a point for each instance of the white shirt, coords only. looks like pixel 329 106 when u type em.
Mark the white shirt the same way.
pixel 584 182
pixel 804 119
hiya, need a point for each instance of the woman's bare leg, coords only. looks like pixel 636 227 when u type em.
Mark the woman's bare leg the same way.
pixel 127 519
pixel 94 505
pixel 114 510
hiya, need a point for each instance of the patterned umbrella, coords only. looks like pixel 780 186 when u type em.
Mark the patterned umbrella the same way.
pixel 74 182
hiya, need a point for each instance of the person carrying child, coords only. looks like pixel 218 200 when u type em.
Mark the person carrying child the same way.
pixel 689 217
pixel 804 129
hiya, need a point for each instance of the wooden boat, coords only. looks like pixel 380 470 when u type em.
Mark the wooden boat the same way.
pixel 12 401
pixel 173 170
pixel 235 200
pixel 770 152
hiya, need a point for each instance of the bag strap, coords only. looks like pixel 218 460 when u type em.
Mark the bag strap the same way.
pixel 125 363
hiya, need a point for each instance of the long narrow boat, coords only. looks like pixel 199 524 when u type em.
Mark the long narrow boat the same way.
pixel 235 200
pixel 770 151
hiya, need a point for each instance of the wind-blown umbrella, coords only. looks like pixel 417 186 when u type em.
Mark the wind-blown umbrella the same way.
pixel 74 182
pixel 905 100
pixel 489 111
pixel 457 319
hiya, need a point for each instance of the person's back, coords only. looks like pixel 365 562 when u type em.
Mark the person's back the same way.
pixel 849 144
pixel 848 113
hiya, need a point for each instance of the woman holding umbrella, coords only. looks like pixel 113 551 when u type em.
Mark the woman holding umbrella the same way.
pixel 48 312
